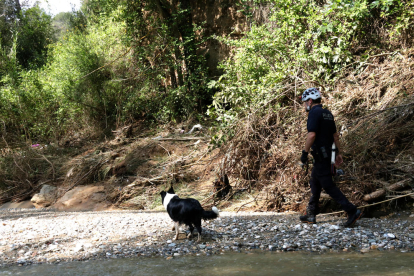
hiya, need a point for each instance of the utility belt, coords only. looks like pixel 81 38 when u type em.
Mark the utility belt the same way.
pixel 325 155
pixel 321 155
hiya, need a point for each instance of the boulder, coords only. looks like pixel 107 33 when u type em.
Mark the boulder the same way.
pixel 46 197
pixel 83 198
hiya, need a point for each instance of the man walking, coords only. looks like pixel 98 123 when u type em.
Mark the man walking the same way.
pixel 321 135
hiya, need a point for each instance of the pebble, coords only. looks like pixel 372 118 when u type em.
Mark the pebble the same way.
pixel 38 236
pixel 389 235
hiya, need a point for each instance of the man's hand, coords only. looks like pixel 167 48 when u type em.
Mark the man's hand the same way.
pixel 304 157
pixel 338 160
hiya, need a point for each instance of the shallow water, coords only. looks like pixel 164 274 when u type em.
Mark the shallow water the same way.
pixel 290 263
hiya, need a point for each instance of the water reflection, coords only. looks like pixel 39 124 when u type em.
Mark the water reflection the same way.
pixel 292 263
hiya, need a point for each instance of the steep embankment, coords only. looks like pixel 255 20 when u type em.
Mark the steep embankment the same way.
pixel 373 106
pixel 127 171
pixel 373 110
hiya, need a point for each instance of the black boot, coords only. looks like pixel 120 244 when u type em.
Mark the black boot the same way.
pixel 309 217
pixel 353 218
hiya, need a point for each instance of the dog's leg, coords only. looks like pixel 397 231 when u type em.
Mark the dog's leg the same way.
pixel 198 226
pixel 191 231
pixel 177 224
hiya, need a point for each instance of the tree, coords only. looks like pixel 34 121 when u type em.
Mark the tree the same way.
pixel 69 21
pixel 9 15
pixel 168 26
pixel 164 45
pixel 35 34
pixel 61 23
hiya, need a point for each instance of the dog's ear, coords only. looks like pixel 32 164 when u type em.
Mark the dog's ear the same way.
pixel 171 190
pixel 163 195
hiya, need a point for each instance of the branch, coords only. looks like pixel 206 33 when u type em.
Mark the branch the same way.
pixel 383 110
pixel 179 139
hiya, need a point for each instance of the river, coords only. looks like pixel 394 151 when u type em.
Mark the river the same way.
pixel 271 263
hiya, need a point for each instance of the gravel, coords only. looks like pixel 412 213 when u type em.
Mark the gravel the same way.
pixel 32 236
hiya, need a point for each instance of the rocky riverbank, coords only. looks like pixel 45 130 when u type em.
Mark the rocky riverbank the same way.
pixel 29 236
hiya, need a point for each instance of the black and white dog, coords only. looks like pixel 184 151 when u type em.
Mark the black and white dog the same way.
pixel 186 211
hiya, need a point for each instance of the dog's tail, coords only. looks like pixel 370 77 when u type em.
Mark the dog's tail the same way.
pixel 214 213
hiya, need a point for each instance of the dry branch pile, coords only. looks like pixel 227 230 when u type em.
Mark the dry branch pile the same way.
pixel 131 169
pixel 374 112
pixel 24 170
pixel 263 155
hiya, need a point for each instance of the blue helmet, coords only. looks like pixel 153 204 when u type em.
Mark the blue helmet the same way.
pixel 311 93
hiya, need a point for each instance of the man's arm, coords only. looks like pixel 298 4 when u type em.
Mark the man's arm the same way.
pixel 337 143
pixel 338 159
pixel 310 138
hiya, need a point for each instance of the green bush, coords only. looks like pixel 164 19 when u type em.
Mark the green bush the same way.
pixel 301 44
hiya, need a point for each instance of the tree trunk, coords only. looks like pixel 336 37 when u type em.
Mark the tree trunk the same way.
pixel 375 195
pixel 401 185
pixel 17 7
pixel 185 27
pixel 163 8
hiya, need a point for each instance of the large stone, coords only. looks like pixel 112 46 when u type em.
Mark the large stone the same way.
pixel 45 198
pixel 83 198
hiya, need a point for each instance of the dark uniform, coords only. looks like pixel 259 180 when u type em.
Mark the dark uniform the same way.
pixel 321 121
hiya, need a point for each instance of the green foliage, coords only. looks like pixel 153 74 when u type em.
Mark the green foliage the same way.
pixel 33 30
pixel 61 24
pixel 34 35
pixel 66 93
pixel 165 44
pixel 25 106
pixel 302 43
pixel 23 102
pixel 116 61
pixel 400 16
pixel 9 17
pixel 72 72
pixel 69 21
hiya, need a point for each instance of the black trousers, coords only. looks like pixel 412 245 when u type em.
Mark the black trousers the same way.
pixel 321 178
